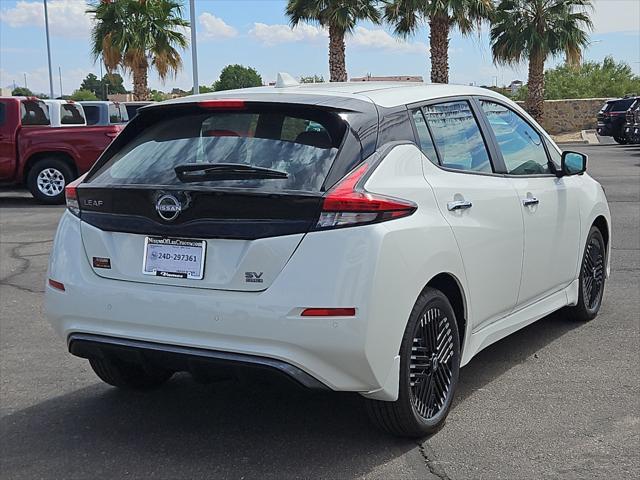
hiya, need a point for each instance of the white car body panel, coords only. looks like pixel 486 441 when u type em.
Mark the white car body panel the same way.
pixel 512 264
pixel 487 233
pixel 55 115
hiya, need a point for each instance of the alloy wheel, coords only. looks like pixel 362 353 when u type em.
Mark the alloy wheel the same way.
pixel 593 273
pixel 431 364
pixel 50 182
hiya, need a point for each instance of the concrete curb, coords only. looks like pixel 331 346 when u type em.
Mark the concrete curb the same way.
pixel 590 137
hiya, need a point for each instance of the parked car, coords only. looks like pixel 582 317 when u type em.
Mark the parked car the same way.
pixel 105 113
pixel 42 158
pixel 361 238
pixel 632 124
pixel 612 118
pixel 133 107
pixel 66 113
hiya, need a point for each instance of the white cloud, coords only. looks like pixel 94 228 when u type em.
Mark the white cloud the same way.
pixel 379 39
pixel 616 16
pixel 66 18
pixel 278 33
pixel 214 27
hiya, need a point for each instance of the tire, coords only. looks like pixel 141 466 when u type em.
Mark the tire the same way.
pixel 47 179
pixel 621 140
pixel 129 376
pixel 592 278
pixel 419 411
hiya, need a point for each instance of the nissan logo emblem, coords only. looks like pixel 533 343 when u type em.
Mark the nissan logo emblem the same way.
pixel 168 207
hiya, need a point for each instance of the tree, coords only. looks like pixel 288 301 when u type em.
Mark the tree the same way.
pixel 22 92
pixel 137 34
pixel 83 95
pixel 339 17
pixel 113 83
pixel 442 15
pixel 109 84
pixel 237 76
pixel 312 79
pixel 536 30
pixel 93 84
pixel 158 96
pixel 591 80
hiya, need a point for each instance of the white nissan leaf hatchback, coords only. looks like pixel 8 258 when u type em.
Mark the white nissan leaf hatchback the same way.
pixel 368 238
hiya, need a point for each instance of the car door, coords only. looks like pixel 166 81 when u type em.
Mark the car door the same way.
pixel 549 204
pixel 482 208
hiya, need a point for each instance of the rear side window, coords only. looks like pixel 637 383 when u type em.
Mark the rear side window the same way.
pixel 92 113
pixel 2 114
pixel 521 146
pixel 34 112
pixel 424 137
pixel 118 113
pixel 457 136
pixel 70 114
pixel 302 144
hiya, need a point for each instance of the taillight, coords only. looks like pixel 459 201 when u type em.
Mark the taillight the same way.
pixel 348 204
pixel 223 104
pixel 71 195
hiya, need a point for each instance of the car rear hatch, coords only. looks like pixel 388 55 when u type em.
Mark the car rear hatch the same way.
pixel 216 194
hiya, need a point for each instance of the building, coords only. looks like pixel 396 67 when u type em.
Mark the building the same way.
pixel 515 86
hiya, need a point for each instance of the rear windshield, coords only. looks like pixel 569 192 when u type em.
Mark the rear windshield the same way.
pixel 118 113
pixel 302 143
pixel 92 113
pixel 34 112
pixel 621 105
pixel 71 114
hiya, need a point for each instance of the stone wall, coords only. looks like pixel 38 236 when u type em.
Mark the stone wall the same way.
pixel 570 115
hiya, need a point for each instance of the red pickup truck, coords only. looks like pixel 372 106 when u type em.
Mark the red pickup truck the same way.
pixel 44 158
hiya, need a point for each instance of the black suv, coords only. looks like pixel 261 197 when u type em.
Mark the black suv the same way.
pixel 632 125
pixel 612 118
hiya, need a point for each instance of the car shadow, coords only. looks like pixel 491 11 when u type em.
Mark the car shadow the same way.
pixel 189 430
pixel 498 358
pixel 255 429
pixel 10 200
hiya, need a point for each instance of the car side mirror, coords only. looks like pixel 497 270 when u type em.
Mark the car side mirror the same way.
pixel 573 163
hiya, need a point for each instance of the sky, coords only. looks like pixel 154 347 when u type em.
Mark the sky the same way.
pixel 256 33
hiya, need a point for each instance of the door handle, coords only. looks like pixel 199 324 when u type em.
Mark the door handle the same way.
pixel 530 201
pixel 459 205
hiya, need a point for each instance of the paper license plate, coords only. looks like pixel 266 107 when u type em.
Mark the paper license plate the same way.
pixel 174 258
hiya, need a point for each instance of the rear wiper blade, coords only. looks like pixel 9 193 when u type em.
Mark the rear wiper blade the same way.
pixel 195 172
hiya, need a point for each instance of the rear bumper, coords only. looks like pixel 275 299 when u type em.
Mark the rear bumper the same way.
pixel 182 358
pixel 357 353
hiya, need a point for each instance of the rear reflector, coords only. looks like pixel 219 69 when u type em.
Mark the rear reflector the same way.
pixel 348 205
pixel 328 312
pixel 230 104
pixel 56 285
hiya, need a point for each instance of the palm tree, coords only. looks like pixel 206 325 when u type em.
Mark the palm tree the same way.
pixel 136 34
pixel 339 17
pixel 442 15
pixel 536 30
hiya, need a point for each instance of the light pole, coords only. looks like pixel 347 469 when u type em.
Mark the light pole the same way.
pixel 46 27
pixel 194 49
pixel 60 77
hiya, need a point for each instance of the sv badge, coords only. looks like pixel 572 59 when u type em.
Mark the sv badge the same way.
pixel 253 277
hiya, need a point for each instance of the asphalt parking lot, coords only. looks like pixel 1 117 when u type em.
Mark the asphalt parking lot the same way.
pixel 555 400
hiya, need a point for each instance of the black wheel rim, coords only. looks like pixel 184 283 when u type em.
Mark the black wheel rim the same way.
pixel 431 364
pixel 593 274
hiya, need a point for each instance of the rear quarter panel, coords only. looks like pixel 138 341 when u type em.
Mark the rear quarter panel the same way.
pixel 83 144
